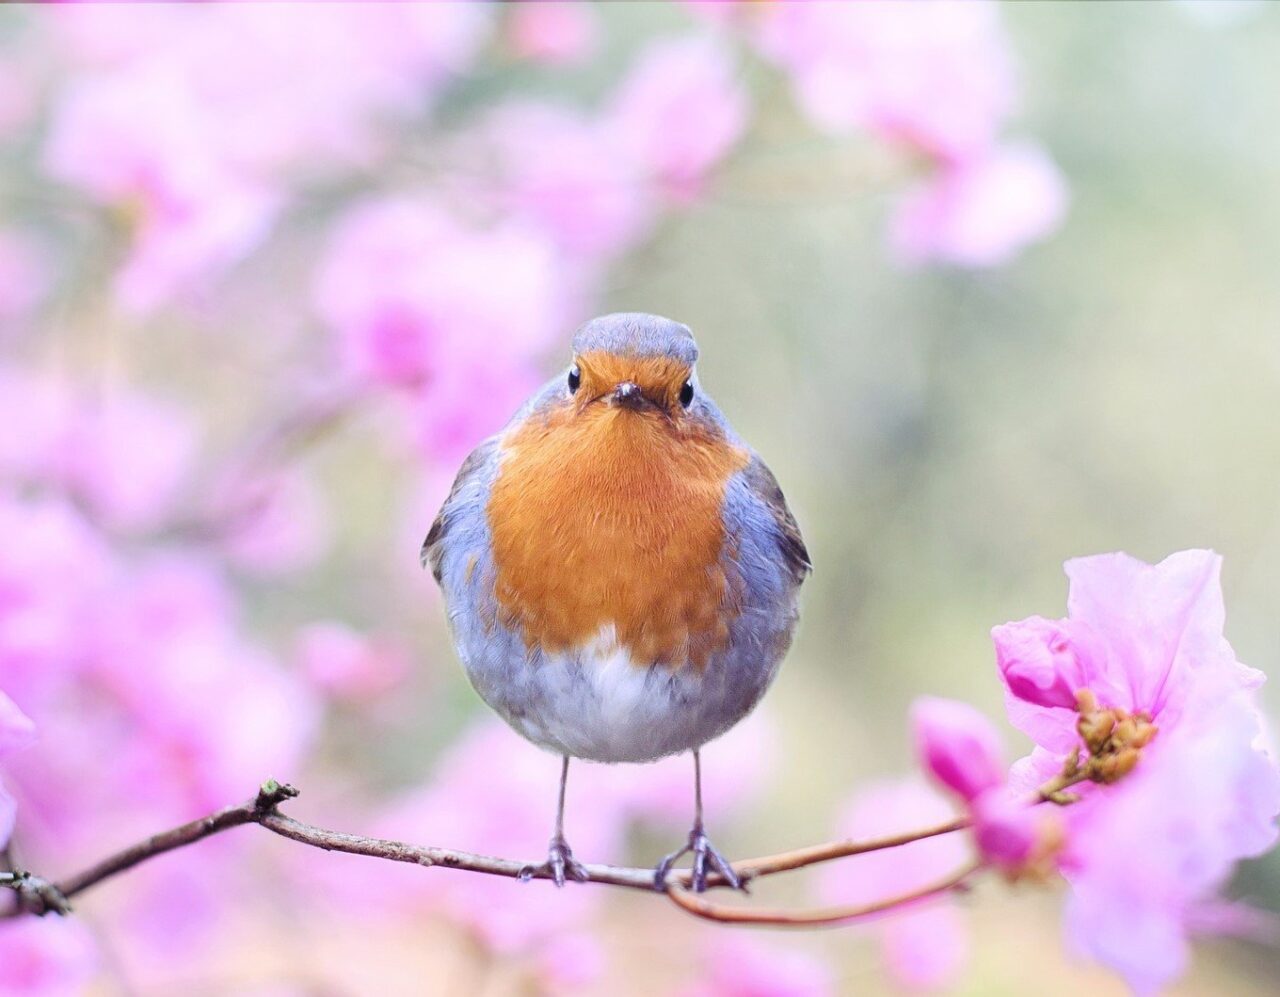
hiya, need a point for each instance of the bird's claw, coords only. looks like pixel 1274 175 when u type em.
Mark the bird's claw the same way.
pixel 706 858
pixel 559 867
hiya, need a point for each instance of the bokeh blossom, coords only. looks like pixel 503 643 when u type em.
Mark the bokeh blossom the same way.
pixel 678 112
pixel 84 439
pixel 48 957
pixel 553 33
pixel 736 967
pixel 409 291
pixel 937 79
pixel 935 75
pixel 926 948
pixel 16 731
pixel 981 212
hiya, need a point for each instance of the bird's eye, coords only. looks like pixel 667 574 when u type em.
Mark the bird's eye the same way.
pixel 686 394
pixel 575 379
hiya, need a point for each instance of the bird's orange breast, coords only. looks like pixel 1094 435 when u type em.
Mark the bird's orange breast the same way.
pixel 609 522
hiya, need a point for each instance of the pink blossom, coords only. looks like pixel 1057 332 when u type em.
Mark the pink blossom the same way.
pixel 54 569
pixel 750 966
pixel 152 673
pixel 1039 660
pixel 1142 637
pixel 553 33
pixel 348 665
pixel 133 141
pixel 561 171
pixel 46 957
pixel 172 650
pixel 925 947
pixel 961 749
pixel 123 454
pixel 1006 830
pixel 981 211
pixel 1146 854
pixel 936 75
pixel 679 111
pixel 409 292
pixel 16 728
pixel 191 154
pixel 572 960
pixel 16 731
pixel 957 745
pixel 286 106
pixel 274 523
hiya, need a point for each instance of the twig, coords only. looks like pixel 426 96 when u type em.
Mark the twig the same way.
pixel 38 896
pixel 816 916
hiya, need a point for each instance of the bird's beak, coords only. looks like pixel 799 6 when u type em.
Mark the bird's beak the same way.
pixel 628 395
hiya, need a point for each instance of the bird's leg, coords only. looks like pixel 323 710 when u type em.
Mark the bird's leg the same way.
pixel 705 856
pixel 560 862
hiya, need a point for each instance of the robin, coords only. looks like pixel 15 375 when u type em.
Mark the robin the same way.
pixel 620 569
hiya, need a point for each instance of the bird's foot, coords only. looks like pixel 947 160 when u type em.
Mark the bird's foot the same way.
pixel 560 865
pixel 706 859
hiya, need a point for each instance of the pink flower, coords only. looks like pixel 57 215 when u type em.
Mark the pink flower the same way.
pixel 16 731
pixel 16 728
pixel 186 128
pixel 1146 855
pixel 87 442
pixel 409 292
pixel 1142 637
pixel 347 665
pixel 286 106
pixel 679 111
pixel 1039 660
pixel 750 966
pixel 926 947
pixel 133 141
pixel 46 957
pixel 961 749
pixel 957 745
pixel 553 33
pixel 274 523
pixel 935 75
pixel 54 570
pixel 981 211
pixel 561 172
pixel 1007 831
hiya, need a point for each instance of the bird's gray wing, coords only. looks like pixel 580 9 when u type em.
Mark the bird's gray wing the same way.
pixel 478 463
pixel 764 486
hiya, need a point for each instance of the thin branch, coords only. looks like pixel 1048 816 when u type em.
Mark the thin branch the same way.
pixel 817 916
pixel 39 896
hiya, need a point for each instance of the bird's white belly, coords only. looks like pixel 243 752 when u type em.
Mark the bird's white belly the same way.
pixel 598 704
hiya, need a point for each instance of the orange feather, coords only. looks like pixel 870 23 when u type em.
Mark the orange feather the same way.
pixel 602 516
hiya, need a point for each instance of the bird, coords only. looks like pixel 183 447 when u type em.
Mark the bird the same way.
pixel 620 570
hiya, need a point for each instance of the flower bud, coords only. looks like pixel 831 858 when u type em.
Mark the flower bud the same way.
pixel 1040 660
pixel 957 745
pixel 1013 836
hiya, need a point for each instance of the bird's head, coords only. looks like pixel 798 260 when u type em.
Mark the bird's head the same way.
pixel 631 362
